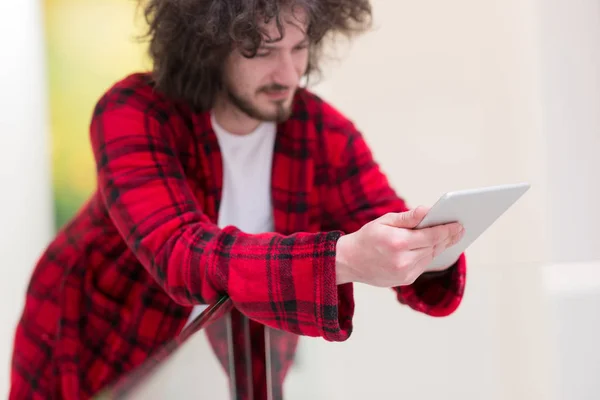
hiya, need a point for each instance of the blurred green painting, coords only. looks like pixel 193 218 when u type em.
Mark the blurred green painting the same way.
pixel 90 45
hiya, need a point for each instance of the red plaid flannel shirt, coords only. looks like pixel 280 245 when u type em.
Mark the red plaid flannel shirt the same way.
pixel 121 277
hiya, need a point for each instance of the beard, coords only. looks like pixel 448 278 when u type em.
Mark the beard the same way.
pixel 281 113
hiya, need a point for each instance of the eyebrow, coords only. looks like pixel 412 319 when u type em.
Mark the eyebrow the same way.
pixel 271 46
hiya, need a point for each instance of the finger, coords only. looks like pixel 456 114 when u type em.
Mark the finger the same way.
pixel 418 255
pixel 427 254
pixel 456 238
pixel 429 237
pixel 419 259
pixel 424 256
pixel 449 242
pixel 408 219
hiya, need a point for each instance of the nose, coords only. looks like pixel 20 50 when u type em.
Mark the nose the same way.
pixel 286 73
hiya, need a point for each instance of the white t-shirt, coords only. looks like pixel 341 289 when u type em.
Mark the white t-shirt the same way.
pixel 246 198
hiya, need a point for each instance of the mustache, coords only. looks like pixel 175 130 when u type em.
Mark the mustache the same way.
pixel 274 87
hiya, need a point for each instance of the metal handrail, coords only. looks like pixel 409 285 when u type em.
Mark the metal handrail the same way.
pixel 123 387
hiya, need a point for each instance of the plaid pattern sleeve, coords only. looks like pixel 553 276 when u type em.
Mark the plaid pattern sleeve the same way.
pixel 283 281
pixel 359 193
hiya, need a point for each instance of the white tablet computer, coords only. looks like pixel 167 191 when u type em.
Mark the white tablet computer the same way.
pixel 475 209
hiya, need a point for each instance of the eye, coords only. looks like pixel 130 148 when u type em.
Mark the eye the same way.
pixel 263 53
pixel 301 47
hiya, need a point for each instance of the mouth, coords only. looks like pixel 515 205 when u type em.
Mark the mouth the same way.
pixel 277 94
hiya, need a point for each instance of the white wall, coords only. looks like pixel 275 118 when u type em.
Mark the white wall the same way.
pixel 25 207
pixel 573 291
pixel 571 99
pixel 571 76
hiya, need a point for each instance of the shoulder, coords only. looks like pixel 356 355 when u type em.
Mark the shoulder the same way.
pixel 136 94
pixel 133 105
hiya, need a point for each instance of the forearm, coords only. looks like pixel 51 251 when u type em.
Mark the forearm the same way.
pixel 286 282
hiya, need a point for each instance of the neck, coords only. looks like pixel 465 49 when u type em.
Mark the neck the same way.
pixel 232 119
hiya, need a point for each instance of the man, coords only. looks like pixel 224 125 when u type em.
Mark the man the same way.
pixel 218 174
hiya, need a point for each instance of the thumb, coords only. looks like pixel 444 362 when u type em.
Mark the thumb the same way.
pixel 408 219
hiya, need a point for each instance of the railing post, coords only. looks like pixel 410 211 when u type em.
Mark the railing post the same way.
pixel 250 352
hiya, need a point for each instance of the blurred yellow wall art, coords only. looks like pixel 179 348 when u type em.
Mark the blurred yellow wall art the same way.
pixel 90 45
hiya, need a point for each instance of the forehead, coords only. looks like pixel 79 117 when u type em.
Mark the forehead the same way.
pixel 294 25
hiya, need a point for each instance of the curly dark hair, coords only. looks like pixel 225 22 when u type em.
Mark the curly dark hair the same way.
pixel 189 40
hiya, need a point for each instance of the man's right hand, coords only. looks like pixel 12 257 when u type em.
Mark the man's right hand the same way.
pixel 389 252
